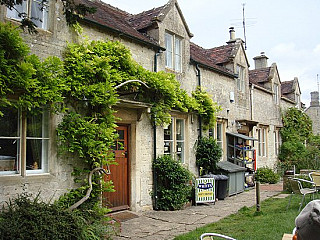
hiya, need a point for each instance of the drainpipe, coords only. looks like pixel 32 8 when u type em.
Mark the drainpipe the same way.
pixel 251 101
pixel 199 85
pixel 155 180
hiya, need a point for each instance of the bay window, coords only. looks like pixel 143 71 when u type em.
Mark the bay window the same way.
pixel 36 10
pixel 23 142
pixel 174 139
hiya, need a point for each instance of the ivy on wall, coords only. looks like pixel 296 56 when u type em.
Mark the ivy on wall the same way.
pixel 82 87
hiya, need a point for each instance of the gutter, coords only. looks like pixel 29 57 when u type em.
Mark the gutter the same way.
pixel 155 179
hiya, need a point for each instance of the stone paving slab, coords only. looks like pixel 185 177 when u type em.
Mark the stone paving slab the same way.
pixel 166 225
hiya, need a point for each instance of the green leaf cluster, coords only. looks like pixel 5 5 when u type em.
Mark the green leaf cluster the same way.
pixel 208 154
pixel 24 78
pixel 173 183
pixel 299 148
pixel 26 217
pixel 266 175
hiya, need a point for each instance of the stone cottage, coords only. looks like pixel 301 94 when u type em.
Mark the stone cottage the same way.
pixel 160 40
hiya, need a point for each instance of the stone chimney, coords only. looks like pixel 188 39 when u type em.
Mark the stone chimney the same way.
pixel 314 99
pixel 261 61
pixel 232 35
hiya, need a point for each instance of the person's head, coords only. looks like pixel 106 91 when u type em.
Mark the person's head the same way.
pixel 308 222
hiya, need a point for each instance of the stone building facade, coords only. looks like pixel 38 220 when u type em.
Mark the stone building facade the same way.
pixel 160 40
pixel 313 111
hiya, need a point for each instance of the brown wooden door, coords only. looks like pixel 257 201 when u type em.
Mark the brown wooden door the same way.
pixel 119 199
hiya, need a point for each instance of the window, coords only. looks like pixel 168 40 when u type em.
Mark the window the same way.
pixel 276 93
pixel 262 151
pixel 173 52
pixel 240 79
pixel 23 142
pixel 34 9
pixel 174 139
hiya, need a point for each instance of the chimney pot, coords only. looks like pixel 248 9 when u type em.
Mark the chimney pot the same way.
pixel 232 34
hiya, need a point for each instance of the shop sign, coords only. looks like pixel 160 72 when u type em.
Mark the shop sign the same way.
pixel 205 190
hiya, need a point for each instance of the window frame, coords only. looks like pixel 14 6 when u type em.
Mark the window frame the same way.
pixel 24 141
pixel 172 145
pixel 27 7
pixel 173 56
pixel 262 142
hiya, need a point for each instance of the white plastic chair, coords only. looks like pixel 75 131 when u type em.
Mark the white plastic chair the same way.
pixel 209 236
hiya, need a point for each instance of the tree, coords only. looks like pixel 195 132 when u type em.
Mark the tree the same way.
pixel 298 144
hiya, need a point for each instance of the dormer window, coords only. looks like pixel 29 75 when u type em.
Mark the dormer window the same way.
pixel 173 52
pixel 36 10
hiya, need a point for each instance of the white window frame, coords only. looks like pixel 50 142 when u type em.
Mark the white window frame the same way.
pixel 174 139
pixel 33 11
pixel 23 140
pixel 173 45
pixel 262 142
pixel 240 80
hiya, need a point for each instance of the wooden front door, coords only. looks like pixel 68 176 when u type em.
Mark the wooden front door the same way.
pixel 119 199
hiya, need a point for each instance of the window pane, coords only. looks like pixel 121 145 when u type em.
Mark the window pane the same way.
pixel 14 14
pixel 39 14
pixel 37 142
pixel 167 147
pixel 180 151
pixel 219 134
pixel 177 54
pixel 180 129
pixel 9 140
pixel 9 122
pixel 9 154
pixel 169 52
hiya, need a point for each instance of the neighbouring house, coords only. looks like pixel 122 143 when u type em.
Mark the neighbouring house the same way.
pixel 313 111
pixel 247 127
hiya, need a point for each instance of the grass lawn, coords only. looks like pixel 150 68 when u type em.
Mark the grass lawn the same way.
pixel 269 224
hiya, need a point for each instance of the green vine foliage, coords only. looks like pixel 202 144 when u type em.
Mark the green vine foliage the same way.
pixel 82 88
pixel 24 78
pixel 297 125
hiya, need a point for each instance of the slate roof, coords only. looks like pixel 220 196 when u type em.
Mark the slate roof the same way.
pixel 146 18
pixel 287 87
pixel 224 53
pixel 116 20
pixel 259 76
pixel 210 58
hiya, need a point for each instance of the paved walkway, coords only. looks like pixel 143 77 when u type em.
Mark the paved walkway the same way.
pixel 166 225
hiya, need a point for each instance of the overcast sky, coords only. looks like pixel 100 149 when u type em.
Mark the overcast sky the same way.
pixel 288 31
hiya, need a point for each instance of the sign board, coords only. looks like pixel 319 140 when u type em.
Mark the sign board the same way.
pixel 205 190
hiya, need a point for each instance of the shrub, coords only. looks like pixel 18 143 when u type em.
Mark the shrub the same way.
pixel 266 175
pixel 30 218
pixel 173 183
pixel 208 154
